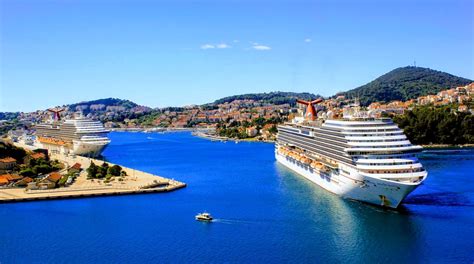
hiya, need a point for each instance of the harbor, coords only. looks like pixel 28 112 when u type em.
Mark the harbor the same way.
pixel 255 202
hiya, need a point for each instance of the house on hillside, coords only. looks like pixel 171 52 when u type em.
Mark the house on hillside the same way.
pixel 9 178
pixel 251 131
pixel 7 164
pixel 463 108
pixel 75 168
pixel 51 181
pixel 3 181
pixel 23 182
pixel 34 156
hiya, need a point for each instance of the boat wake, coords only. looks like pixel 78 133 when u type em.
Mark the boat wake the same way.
pixel 444 151
pixel 232 221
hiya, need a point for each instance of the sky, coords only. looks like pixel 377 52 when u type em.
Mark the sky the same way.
pixel 176 53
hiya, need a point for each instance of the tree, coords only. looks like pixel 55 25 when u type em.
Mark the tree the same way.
pixel 28 172
pixel 437 125
pixel 102 170
pixel 273 129
pixel 114 170
pixel 92 171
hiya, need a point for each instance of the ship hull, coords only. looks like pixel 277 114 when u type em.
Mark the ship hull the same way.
pixel 360 188
pixel 77 148
pixel 87 149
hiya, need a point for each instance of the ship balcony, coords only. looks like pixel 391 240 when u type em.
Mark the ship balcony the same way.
pixel 383 150
pixel 379 143
pixel 389 166
pixel 373 161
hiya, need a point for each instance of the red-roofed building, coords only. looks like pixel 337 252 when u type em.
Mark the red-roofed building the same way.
pixel 23 182
pixel 7 178
pixel 7 163
pixel 34 156
pixel 3 181
pixel 76 166
pixel 51 181
pixel 54 177
pixel 38 155
pixel 12 177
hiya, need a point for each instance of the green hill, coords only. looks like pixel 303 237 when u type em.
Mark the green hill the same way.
pixel 405 83
pixel 270 98
pixel 103 103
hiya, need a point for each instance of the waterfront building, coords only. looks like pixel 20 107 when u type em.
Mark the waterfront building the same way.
pixel 7 163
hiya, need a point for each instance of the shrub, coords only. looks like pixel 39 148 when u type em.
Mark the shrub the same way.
pixel 27 172
pixel 114 170
pixel 63 180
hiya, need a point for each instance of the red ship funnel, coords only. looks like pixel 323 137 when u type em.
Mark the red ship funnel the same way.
pixel 56 112
pixel 311 112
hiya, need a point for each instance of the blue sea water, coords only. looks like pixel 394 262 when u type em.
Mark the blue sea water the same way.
pixel 265 213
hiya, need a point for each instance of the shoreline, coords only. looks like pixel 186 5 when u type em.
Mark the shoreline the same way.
pixel 158 129
pixel 220 138
pixel 198 132
pixel 447 146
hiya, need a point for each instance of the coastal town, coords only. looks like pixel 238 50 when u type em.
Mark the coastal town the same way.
pixel 462 96
pixel 248 119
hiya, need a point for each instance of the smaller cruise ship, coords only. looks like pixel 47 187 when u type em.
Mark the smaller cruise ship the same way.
pixel 79 136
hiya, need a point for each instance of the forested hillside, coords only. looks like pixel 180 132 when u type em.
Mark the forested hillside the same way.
pixel 437 125
pixel 404 84
pixel 270 98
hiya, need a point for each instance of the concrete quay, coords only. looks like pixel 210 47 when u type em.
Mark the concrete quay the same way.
pixel 136 182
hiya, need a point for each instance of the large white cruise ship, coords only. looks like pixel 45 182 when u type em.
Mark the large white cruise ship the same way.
pixel 79 135
pixel 355 156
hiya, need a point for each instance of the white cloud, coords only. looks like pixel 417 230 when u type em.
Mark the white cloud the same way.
pixel 215 46
pixel 207 46
pixel 307 40
pixel 261 47
pixel 222 46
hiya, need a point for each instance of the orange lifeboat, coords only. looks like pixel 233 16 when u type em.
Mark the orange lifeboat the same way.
pixel 51 141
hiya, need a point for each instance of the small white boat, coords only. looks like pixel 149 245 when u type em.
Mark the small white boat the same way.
pixel 204 217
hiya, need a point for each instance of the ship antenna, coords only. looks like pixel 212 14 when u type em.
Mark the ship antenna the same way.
pixel 79 114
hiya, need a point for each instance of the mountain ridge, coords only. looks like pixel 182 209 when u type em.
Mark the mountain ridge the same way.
pixel 404 83
pixel 277 97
